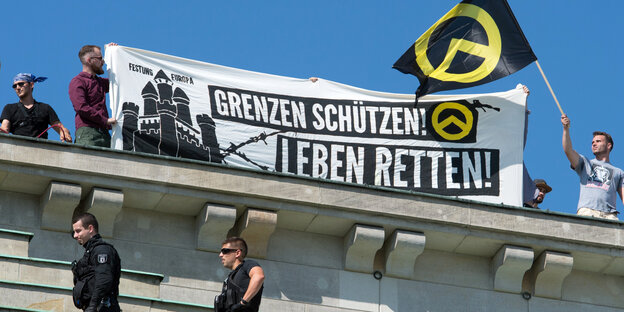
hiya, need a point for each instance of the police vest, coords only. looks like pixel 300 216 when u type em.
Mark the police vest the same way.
pixel 230 293
pixel 84 271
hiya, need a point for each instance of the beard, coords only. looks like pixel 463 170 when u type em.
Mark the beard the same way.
pixel 539 199
pixel 98 70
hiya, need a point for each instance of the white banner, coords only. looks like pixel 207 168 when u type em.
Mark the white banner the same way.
pixel 468 146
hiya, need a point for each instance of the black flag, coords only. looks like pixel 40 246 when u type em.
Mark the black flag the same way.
pixel 478 41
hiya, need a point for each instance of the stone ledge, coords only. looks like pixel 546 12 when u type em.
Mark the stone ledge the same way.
pixel 213 224
pixel 122 297
pixel 156 275
pixel 105 205
pixel 138 172
pixel 19 233
pixel 54 272
pixel 14 242
pixel 360 246
pixel 509 266
pixel 57 205
pixel 401 251
pixel 10 309
pixel 256 227
pixel 548 272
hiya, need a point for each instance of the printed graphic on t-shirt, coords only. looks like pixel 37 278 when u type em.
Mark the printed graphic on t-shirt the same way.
pixel 600 177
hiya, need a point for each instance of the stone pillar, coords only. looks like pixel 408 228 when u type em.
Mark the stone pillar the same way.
pixel 105 205
pixel 548 272
pixel 400 253
pixel 57 205
pixel 213 224
pixel 256 227
pixel 360 245
pixel 508 267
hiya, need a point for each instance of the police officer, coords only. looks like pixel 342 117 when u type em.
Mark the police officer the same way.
pixel 96 274
pixel 242 289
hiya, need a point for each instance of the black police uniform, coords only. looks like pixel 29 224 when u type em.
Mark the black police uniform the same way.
pixel 234 287
pixel 96 277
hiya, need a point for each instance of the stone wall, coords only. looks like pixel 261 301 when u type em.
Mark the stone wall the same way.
pixel 324 246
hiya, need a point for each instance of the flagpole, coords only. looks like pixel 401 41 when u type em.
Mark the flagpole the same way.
pixel 549 87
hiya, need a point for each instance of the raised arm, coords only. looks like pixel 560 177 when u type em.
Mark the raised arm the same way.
pixel 572 155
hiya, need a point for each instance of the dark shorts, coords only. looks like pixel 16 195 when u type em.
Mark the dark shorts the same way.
pixel 93 137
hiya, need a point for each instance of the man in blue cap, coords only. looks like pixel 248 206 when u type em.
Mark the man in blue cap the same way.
pixel 29 117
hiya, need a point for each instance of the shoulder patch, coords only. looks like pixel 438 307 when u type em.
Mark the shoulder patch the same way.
pixel 102 258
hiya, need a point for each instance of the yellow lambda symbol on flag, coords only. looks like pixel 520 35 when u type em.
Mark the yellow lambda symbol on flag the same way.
pixel 440 126
pixel 490 53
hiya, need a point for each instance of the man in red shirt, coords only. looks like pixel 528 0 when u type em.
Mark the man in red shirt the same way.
pixel 87 92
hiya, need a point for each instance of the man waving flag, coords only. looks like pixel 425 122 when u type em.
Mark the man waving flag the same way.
pixel 478 41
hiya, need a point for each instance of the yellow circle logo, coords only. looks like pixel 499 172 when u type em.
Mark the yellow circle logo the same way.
pixel 440 125
pixel 490 53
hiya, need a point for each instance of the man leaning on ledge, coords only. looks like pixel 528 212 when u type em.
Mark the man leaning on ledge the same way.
pixel 29 117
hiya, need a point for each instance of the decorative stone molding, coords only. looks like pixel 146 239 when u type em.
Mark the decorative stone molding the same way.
pixel 548 272
pixel 213 224
pixel 57 205
pixel 360 245
pixel 256 227
pixel 400 252
pixel 105 205
pixel 508 267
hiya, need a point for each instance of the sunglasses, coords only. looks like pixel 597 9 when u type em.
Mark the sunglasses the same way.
pixel 19 84
pixel 226 251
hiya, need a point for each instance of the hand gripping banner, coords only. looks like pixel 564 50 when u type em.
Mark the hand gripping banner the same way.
pixel 468 146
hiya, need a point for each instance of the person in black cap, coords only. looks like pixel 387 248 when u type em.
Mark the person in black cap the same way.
pixel 29 117
pixel 541 189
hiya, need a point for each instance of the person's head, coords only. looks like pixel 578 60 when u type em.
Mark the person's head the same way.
pixel 233 251
pixel 91 59
pixel 602 143
pixel 84 227
pixel 24 83
pixel 543 190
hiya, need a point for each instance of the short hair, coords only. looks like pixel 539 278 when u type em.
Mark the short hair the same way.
pixel 87 219
pixel 238 243
pixel 86 50
pixel 607 136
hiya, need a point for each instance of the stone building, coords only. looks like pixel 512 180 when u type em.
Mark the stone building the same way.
pixel 324 246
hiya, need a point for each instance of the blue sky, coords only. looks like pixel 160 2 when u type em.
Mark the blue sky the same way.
pixel 352 42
